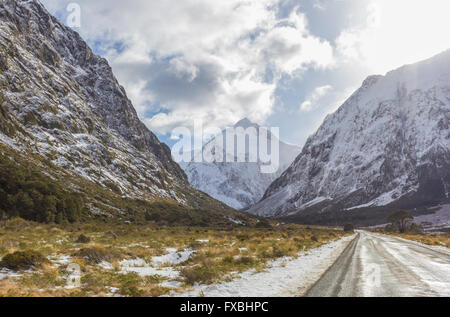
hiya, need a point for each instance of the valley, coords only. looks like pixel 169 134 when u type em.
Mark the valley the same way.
pixel 115 259
pixel 93 203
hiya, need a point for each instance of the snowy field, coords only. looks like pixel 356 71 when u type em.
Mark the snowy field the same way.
pixel 286 277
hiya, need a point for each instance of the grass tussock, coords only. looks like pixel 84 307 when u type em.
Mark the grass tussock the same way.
pixel 432 239
pixel 22 260
pixel 428 238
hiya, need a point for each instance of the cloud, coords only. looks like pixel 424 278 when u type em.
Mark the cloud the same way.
pixel 395 33
pixel 216 61
pixel 312 101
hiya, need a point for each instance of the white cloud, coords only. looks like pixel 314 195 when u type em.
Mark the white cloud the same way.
pixel 201 59
pixel 396 33
pixel 312 101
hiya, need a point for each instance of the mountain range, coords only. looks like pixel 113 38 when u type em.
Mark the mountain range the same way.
pixel 387 145
pixel 64 113
pixel 64 116
pixel 238 184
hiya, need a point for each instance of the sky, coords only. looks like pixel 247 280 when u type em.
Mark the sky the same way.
pixel 280 63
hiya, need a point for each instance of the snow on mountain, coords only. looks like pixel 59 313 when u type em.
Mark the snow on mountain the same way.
pixel 237 184
pixel 62 102
pixel 389 142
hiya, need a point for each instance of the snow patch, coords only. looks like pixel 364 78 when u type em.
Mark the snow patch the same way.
pixel 286 276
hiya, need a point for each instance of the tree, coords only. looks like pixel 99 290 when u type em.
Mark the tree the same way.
pixel 348 227
pixel 400 220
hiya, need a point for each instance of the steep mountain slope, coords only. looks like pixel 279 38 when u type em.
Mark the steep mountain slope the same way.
pixel 238 185
pixel 62 105
pixel 389 144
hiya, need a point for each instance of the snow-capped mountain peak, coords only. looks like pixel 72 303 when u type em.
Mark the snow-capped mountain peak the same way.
pixel 236 178
pixel 245 124
pixel 389 142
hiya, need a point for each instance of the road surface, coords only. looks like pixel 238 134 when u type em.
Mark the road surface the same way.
pixel 385 266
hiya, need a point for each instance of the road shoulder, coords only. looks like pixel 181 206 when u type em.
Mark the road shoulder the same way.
pixel 286 277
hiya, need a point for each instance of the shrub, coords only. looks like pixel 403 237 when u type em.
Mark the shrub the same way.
pixel 245 260
pixel 243 237
pixel 401 220
pixel 416 229
pixel 263 224
pixel 83 239
pixel 34 196
pixel 16 224
pixel 22 260
pixel 228 259
pixel 198 274
pixel 348 227
pixel 129 285
pixel 278 253
pixel 95 255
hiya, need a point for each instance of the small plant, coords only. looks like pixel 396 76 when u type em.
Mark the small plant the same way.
pixel 243 237
pixel 83 239
pixel 95 255
pixel 263 224
pixel 16 224
pixel 348 227
pixel 23 260
pixel 245 260
pixel 199 274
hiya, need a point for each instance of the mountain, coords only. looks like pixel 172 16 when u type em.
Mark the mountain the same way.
pixel 387 145
pixel 237 184
pixel 64 113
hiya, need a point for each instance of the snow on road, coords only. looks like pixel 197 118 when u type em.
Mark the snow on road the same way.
pixel 286 277
pixel 377 265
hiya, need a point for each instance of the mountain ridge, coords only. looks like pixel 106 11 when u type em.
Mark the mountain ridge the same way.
pixel 390 140
pixel 63 110
pixel 237 184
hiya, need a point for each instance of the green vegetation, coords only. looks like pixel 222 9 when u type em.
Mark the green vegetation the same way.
pixel 219 254
pixel 22 260
pixel 34 196
pixel 83 239
pixel 402 222
pixel 348 227
pixel 96 255
pixel 35 189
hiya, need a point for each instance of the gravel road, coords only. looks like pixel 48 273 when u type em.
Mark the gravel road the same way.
pixel 385 266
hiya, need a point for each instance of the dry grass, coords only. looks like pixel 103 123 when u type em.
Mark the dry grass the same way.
pixel 433 239
pixel 219 254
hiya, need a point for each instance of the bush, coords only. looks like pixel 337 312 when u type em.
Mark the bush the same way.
pixel 22 260
pixel 348 227
pixel 198 274
pixel 401 220
pixel 415 229
pixel 263 224
pixel 129 285
pixel 245 260
pixel 243 237
pixel 390 228
pixel 16 224
pixel 95 255
pixel 34 196
pixel 83 239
